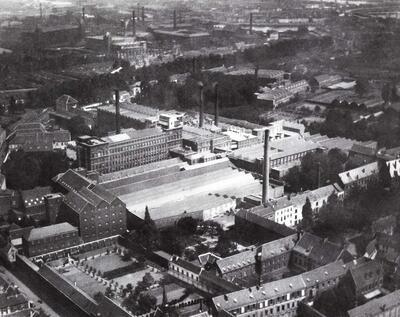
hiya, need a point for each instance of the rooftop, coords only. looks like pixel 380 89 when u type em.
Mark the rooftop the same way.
pixel 50 231
pixel 361 172
pixel 377 306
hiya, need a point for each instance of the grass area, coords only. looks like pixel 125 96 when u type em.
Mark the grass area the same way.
pixel 135 277
pixel 84 281
pixel 109 262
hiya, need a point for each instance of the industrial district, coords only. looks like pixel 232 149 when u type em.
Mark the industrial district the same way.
pixel 200 158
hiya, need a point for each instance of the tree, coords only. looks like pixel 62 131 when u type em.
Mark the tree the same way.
pixel 148 234
pixel 187 225
pixel 362 87
pixel 384 174
pixel 225 247
pixel 109 293
pixel 148 280
pixel 308 219
pixel 146 302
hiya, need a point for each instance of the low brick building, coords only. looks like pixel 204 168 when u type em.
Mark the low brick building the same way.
pixel 50 238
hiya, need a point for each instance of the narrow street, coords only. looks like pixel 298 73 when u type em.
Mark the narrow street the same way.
pixel 9 276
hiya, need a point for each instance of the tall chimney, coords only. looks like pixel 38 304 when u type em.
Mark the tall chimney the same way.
pixel 256 72
pixel 201 117
pixel 194 65
pixel 143 15
pixel 251 23
pixel 174 19
pixel 265 185
pixel 117 113
pixel 216 105
pixel 133 24
pixel 83 14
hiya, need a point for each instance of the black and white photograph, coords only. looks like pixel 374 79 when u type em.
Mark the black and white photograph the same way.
pixel 200 158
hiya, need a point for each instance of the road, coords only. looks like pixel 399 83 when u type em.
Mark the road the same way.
pixel 10 277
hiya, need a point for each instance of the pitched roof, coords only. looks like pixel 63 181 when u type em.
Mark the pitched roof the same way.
pixel 246 258
pixel 377 306
pixel 72 180
pixel 364 149
pixel 50 231
pixel 364 273
pixel 186 265
pixel 320 251
pixel 357 173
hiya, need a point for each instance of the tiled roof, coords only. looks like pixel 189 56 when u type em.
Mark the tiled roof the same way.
pixel 317 249
pixel 257 294
pixel 186 265
pixel 365 273
pixel 72 180
pixel 363 149
pixel 246 258
pixel 75 201
pixel 377 307
pixel 355 174
pixel 50 231
pixel 281 287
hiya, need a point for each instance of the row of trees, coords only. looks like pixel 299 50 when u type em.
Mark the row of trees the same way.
pixel 359 208
pixel 316 169
pixel 339 122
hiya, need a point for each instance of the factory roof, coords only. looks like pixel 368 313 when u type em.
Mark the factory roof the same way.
pixel 358 173
pixel 133 111
pixel 50 231
pixel 377 306
pixel 278 149
pixel 181 33
pixel 131 134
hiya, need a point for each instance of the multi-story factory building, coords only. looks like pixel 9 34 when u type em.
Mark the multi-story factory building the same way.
pixel 128 149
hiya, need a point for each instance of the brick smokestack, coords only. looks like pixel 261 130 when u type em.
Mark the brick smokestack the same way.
pixel 83 14
pixel 133 24
pixel 256 72
pixel 201 117
pixel 251 23
pixel 216 105
pixel 143 15
pixel 174 19
pixel 117 113
pixel 265 188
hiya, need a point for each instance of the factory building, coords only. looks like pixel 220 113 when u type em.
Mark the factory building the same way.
pixel 203 140
pixel 127 149
pixel 90 207
pixel 34 137
pixel 131 116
